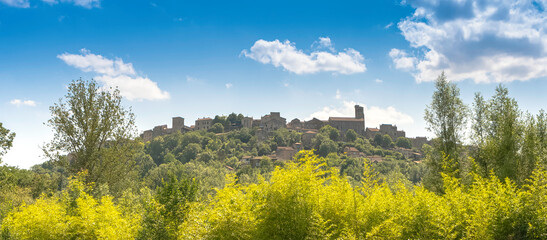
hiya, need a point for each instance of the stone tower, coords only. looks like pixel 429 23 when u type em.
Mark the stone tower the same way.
pixel 178 124
pixel 359 114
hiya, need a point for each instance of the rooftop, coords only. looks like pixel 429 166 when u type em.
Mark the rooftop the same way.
pixel 350 119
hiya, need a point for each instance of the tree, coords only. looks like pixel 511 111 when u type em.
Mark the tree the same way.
pixel 217 128
pixel 6 140
pixel 190 152
pixel 326 147
pixel 351 135
pixel 174 197
pixel 479 131
pixel 387 142
pixel 378 140
pixel 93 128
pixel 505 134
pixel 331 132
pixel 403 142
pixel 445 117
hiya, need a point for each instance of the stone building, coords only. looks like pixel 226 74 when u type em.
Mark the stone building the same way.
pixel 177 125
pixel 353 152
pixel 247 122
pixel 418 142
pixel 392 131
pixel 314 124
pixel 343 124
pixel 272 122
pixel 285 153
pixel 307 138
pixel 203 124
pixel 371 132
pixel 388 129
pixel 295 124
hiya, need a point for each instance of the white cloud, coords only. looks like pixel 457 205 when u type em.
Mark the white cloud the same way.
pixel 229 85
pixel 401 60
pixel 116 73
pixel 191 79
pixel 388 25
pixel 338 95
pixel 374 116
pixel 324 42
pixel 487 41
pixel 16 3
pixel 134 88
pixel 377 80
pixel 18 103
pixel 287 56
pixel 81 3
pixel 89 62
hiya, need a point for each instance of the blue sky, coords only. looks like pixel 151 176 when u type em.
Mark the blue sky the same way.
pixel 302 58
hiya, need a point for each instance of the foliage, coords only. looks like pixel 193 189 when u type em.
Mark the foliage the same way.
pixel 351 135
pixel 73 215
pixel 307 200
pixel 168 209
pixel 6 140
pixel 403 142
pixel 446 118
pixel 217 128
pixel 91 125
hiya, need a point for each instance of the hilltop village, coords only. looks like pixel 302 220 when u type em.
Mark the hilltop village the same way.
pixel 267 124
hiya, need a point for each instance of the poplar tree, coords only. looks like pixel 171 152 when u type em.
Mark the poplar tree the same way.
pixel 504 134
pixel 445 117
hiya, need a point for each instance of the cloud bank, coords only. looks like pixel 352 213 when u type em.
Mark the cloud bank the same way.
pixel 116 73
pixel 486 41
pixel 287 56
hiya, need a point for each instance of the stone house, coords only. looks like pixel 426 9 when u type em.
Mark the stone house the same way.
pixel 272 122
pixel 353 152
pixel 203 124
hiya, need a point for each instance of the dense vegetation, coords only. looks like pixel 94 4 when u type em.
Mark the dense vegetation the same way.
pixel 194 186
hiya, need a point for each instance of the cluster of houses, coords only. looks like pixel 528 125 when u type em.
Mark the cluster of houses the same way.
pixel 273 121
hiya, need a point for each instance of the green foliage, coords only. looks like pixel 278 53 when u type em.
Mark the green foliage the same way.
pixel 92 125
pixel 327 147
pixel 307 200
pixel 168 209
pixel 217 128
pixel 6 140
pixel 330 132
pixel 74 215
pixel 351 135
pixel 403 142
pixel 284 137
pixel 446 118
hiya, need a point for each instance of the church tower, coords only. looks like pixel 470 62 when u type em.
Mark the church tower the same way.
pixel 359 114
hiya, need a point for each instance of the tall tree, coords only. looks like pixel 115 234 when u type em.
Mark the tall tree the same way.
pixel 505 134
pixel 479 129
pixel 445 117
pixel 93 128
pixel 542 136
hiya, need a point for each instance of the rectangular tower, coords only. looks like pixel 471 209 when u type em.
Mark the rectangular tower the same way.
pixel 178 124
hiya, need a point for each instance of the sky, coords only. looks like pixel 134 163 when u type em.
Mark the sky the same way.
pixel 304 59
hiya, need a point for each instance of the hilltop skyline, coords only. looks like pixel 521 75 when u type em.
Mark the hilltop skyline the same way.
pixel 303 59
